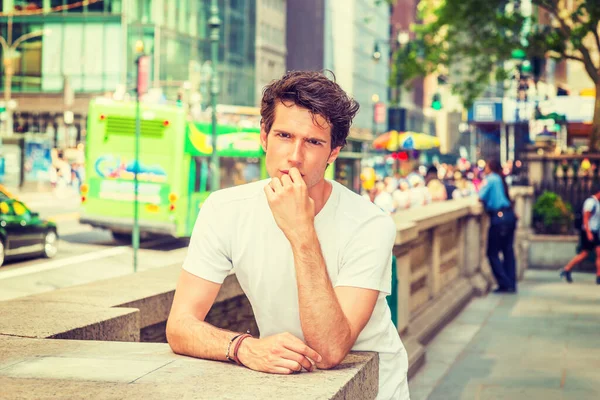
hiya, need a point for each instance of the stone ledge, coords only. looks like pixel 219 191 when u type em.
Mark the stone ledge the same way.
pixel 416 354
pixel 39 319
pixel 436 214
pixel 440 311
pixel 88 310
pixel 34 369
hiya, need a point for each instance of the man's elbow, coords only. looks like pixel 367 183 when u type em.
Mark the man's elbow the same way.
pixel 173 336
pixel 331 361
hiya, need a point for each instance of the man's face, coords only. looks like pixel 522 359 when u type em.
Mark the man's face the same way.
pixel 296 141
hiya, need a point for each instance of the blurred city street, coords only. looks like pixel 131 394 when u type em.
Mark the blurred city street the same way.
pixel 85 254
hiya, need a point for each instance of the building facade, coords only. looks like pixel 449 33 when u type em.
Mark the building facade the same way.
pixel 89 50
pixel 270 43
pixel 412 107
pixel 340 36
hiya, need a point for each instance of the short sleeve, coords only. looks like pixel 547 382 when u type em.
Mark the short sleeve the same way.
pixel 209 255
pixel 589 205
pixel 367 259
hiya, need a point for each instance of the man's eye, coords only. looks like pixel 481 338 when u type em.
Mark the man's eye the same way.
pixel 283 135
pixel 315 142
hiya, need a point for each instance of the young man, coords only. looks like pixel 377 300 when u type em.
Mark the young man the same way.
pixel 313 258
pixel 588 237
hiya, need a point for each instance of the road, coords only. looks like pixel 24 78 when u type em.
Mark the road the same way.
pixel 85 254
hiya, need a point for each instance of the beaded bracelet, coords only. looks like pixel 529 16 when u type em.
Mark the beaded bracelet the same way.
pixel 230 343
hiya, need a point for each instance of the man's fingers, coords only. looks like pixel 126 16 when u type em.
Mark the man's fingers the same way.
pixel 289 364
pixel 299 358
pixel 269 192
pixel 276 184
pixel 280 371
pixel 286 180
pixel 296 176
pixel 301 348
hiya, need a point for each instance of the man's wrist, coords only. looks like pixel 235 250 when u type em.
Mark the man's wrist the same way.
pixel 303 238
pixel 244 351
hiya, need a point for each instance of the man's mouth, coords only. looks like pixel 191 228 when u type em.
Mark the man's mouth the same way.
pixel 287 172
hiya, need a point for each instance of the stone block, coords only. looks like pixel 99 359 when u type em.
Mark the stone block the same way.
pixel 35 369
pixel 68 321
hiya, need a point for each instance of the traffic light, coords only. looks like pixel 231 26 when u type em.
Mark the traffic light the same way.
pixel 436 102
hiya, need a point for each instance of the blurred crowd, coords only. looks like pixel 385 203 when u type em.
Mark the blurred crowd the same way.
pixel 423 185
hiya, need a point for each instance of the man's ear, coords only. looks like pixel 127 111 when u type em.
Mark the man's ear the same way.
pixel 334 154
pixel 263 137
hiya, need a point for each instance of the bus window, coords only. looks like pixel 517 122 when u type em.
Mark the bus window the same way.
pixel 238 171
pixel 234 171
pixel 202 178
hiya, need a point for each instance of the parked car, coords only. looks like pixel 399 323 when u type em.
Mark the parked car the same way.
pixel 23 232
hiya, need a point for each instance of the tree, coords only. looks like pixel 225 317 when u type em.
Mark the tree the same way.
pixel 476 37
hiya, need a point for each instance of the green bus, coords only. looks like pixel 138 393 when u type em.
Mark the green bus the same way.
pixel 173 171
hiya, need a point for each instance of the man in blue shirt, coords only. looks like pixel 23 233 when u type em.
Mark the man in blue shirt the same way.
pixel 503 222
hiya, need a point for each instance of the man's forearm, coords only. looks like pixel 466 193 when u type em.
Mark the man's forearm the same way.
pixel 189 336
pixel 324 324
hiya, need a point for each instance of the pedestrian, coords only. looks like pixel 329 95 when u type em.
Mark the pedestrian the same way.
pixel 435 185
pixel 401 196
pixel 503 222
pixel 419 194
pixel 588 237
pixel 383 199
pixel 313 257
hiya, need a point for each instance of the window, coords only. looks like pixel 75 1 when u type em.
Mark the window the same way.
pixel 6 209
pixel 20 209
pixel 234 171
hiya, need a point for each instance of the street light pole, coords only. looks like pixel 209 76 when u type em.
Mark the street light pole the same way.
pixel 142 63
pixel 215 23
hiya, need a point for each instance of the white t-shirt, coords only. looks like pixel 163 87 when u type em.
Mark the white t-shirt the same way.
pixel 591 204
pixel 236 229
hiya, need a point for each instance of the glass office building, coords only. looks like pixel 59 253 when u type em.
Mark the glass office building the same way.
pixel 93 46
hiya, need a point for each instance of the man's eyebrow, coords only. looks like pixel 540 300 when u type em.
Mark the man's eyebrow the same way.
pixel 316 139
pixel 307 138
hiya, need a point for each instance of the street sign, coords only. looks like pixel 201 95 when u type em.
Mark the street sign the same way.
pixel 143 76
pixel 379 113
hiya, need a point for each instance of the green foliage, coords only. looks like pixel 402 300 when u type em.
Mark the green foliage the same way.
pixel 475 38
pixel 551 214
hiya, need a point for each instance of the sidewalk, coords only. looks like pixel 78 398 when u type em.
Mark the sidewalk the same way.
pixel 543 343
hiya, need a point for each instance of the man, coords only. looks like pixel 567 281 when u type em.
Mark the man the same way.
pixel 313 258
pixel 588 237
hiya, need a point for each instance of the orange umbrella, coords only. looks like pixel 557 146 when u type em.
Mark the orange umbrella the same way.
pixel 386 141
pixel 394 140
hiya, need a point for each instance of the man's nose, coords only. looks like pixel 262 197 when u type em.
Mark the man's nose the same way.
pixel 297 154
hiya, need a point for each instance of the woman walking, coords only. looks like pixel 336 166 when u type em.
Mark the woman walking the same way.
pixel 503 222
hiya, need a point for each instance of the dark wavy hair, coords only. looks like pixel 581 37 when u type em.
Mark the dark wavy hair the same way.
pixel 318 94
pixel 496 167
